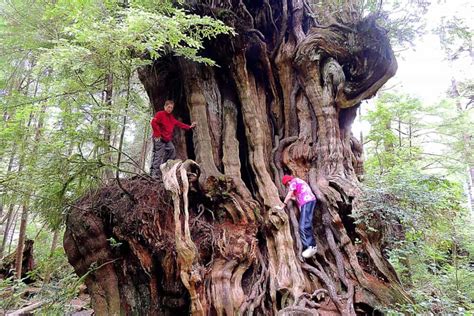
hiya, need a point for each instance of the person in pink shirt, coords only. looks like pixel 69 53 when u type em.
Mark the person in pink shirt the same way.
pixel 300 191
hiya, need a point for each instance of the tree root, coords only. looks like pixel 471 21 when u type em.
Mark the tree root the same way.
pixel 186 249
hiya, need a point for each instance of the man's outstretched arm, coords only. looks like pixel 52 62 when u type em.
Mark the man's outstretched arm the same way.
pixel 184 126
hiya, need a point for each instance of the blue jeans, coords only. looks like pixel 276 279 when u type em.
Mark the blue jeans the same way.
pixel 306 224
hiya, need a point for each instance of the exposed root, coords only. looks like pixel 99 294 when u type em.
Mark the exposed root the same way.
pixel 297 310
pixel 285 272
pixel 306 304
pixel 190 269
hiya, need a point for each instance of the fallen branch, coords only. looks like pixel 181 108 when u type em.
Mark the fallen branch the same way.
pixel 26 309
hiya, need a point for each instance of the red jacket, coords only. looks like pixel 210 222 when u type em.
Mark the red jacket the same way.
pixel 163 125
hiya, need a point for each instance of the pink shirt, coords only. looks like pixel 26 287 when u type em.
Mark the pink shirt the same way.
pixel 301 191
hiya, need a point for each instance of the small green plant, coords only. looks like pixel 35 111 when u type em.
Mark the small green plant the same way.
pixel 59 294
pixel 114 243
pixel 11 291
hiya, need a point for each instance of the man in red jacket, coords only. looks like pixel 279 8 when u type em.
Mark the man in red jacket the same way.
pixel 163 126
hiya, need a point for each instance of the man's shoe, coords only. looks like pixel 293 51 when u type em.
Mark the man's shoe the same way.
pixel 309 252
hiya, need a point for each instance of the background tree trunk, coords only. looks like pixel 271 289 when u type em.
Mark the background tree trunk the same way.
pixel 282 101
pixel 54 244
pixel 15 223
pixel 7 227
pixel 467 148
pixel 21 241
pixel 107 128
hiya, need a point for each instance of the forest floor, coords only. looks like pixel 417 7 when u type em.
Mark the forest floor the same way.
pixel 35 303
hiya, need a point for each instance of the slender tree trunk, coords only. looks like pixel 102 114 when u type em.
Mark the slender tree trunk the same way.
pixel 121 140
pixel 399 133
pixel 9 214
pixel 9 221
pixel 144 148
pixel 107 128
pixel 410 136
pixel 470 186
pixel 21 241
pixel 22 86
pixel 467 150
pixel 25 205
pixel 23 218
pixel 15 223
pixel 455 262
pixel 54 244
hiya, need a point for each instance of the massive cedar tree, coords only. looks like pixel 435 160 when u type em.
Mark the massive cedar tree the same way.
pixel 282 100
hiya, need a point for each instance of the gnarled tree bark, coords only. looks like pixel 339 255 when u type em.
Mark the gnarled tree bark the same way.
pixel 281 101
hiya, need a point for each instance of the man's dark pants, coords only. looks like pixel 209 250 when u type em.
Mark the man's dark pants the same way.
pixel 162 152
pixel 306 224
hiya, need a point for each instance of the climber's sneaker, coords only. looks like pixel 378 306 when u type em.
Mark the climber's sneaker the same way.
pixel 310 251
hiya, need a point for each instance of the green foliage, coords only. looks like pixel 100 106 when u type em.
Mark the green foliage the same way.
pixel 58 295
pixel 114 243
pixel 427 229
pixel 64 282
pixel 428 235
pixel 11 290
pixel 69 88
pixel 455 135
pixel 395 131
pixel 404 20
pixel 404 132
pixel 455 35
pixel 408 197
pixel 69 84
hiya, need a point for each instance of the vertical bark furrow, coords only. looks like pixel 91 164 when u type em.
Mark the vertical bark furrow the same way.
pixel 255 130
pixel 214 105
pixel 197 105
pixel 283 63
pixel 285 270
pixel 278 159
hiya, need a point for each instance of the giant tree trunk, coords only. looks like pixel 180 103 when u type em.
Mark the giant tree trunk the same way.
pixel 282 101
